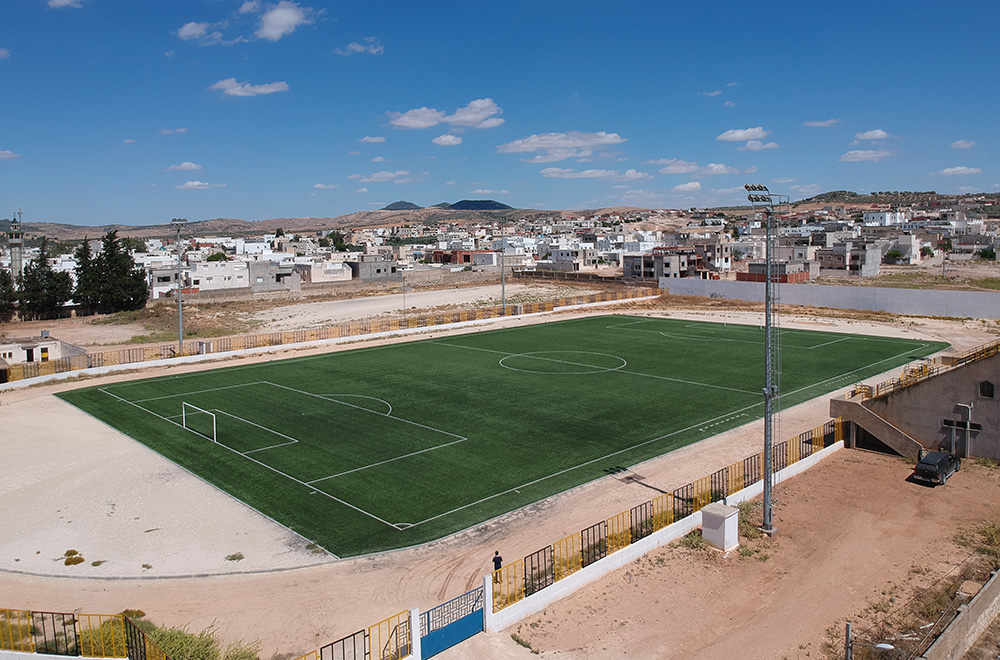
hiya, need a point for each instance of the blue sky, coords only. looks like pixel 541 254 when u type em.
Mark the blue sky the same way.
pixel 135 112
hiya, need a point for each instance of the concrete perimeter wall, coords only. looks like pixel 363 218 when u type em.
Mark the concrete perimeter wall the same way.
pixel 968 625
pixel 919 302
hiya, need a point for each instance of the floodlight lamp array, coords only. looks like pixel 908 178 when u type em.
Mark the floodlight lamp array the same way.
pixel 758 187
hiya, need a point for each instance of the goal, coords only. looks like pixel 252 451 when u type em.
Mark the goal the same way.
pixel 198 420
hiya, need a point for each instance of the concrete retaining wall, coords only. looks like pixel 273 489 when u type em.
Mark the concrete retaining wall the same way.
pixel 972 619
pixel 920 302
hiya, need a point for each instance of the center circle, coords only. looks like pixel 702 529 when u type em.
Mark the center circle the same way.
pixel 569 363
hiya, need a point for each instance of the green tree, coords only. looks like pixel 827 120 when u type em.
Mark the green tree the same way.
pixel 123 285
pixel 926 252
pixel 217 256
pixel 279 233
pixel 133 244
pixel 42 291
pixel 8 295
pixel 88 277
pixel 893 255
pixel 738 255
pixel 988 254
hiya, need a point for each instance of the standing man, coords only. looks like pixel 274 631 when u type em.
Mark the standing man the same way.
pixel 497 564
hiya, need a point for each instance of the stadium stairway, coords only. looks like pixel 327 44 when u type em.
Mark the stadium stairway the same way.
pixel 891 436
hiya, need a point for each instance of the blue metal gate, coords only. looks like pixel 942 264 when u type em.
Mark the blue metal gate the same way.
pixel 450 623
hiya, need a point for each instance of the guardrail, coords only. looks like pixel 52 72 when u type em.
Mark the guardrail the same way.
pixel 913 374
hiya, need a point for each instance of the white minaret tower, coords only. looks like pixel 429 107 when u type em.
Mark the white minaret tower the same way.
pixel 15 241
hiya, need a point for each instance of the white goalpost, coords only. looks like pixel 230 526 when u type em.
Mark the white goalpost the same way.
pixel 204 421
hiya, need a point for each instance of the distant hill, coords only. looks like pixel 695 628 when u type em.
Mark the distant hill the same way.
pixel 402 206
pixel 479 205
pixel 442 205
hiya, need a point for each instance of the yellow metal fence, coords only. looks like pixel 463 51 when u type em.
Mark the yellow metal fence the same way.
pixel 63 633
pixel 140 354
pixel 617 532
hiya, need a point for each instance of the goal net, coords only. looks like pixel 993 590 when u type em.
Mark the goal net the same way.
pixel 198 420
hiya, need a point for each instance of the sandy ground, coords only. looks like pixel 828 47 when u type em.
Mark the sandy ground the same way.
pixel 70 482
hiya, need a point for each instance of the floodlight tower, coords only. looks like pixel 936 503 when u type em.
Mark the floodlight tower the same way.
pixel 179 222
pixel 759 194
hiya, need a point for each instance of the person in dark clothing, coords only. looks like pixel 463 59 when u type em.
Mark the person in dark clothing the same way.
pixel 497 564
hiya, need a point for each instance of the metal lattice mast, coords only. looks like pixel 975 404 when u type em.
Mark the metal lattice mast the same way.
pixel 759 194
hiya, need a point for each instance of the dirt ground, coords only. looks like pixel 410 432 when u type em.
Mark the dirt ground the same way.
pixel 848 530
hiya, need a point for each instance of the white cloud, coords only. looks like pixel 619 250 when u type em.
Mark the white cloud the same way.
pixel 717 168
pixel 449 183
pixel 172 131
pixel 959 171
pixel 186 166
pixel 561 173
pixel 128 141
pixel 192 30
pixel 199 185
pixel 729 104
pixel 675 166
pixel 714 93
pixel 378 159
pixel 372 140
pixel 555 155
pixel 447 140
pixel 858 156
pixel 369 45
pixel 484 191
pixel 963 144
pixel 361 190
pixel 821 124
pixel 59 4
pixel 744 134
pixel 281 19
pixel 416 118
pixel 729 191
pixel 8 155
pixel 810 189
pixel 480 113
pixel 4 53
pixel 230 87
pixel 876 134
pixel 782 180
pixel 553 147
pixel 750 170
pixel 250 7
pixel 691 186
pixel 757 145
pixel 399 176
pixel 325 186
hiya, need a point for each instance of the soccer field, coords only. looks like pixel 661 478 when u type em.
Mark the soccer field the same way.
pixel 389 446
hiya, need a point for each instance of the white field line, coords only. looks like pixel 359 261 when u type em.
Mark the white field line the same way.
pixel 619 370
pixel 704 423
pixel 351 405
pixel 835 341
pixel 388 460
pixel 173 396
pixel 291 440
pixel 254 460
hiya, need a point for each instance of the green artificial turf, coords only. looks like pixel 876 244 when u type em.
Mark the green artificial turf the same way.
pixel 390 446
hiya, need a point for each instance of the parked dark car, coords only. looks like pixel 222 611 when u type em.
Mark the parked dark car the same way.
pixel 937 466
